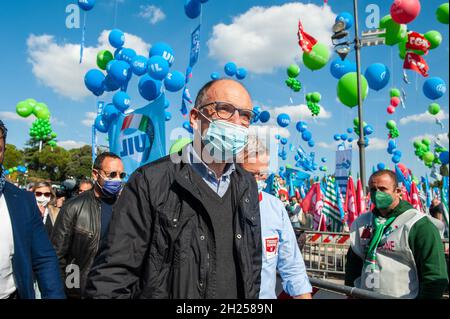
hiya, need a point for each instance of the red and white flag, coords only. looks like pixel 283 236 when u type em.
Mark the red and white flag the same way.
pixel 414 197
pixel 313 204
pixel 305 41
pixel 405 195
pixel 416 63
pixel 416 41
pixel 361 207
pixel 350 202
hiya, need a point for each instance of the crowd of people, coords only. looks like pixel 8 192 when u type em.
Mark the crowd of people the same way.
pixel 197 224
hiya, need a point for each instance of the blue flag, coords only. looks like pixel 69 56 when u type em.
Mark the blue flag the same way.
pixel 195 46
pixel 402 179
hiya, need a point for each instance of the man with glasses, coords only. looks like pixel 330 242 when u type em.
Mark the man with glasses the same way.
pixel 188 225
pixel 83 222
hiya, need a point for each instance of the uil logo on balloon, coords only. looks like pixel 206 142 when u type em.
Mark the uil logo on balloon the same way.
pixel 136 137
pixel 441 88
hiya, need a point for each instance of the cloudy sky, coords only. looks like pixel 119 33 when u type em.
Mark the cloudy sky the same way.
pixel 40 60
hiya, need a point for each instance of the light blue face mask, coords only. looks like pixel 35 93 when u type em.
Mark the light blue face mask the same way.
pixel 224 140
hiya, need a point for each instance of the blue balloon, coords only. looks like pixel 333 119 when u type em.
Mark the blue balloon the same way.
pixel 203 1
pixel 119 71
pixel 241 73
pixel 381 166
pixel 168 116
pixel 283 141
pixel 230 69
pixel 121 101
pixel 139 65
pixel 94 80
pixel 110 85
pixel 306 136
pixel 187 127
pixel 395 159
pixel 215 76
pixel 166 103
pixel 434 88
pixel 301 126
pixel 397 153
pixel 344 137
pixel 392 144
pixel 158 67
pixel 281 168
pixel 117 55
pixel 86 5
pixel 311 143
pixel 6 171
pixel 349 130
pixel 192 8
pixel 284 157
pixel 443 157
pixel 164 50
pixel 257 109
pixel 366 140
pixel 377 76
pixel 128 55
pixel 283 120
pixel 264 116
pixel 347 18
pixel 350 139
pixel 339 68
pixel 277 136
pixel 116 39
pixel 368 129
pixel 337 137
pixel 109 113
pixel 149 88
pixel 174 81
pixel 101 125
pixel 323 159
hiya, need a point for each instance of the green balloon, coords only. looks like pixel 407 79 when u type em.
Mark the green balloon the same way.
pixel 103 57
pixel 317 58
pixel 288 166
pixel 24 109
pixel 394 32
pixel 434 37
pixel 53 135
pixel 434 108
pixel 41 111
pixel 395 93
pixel 293 70
pixel 442 13
pixel 179 144
pixel 32 102
pixel 417 144
pixel 355 121
pixel 402 49
pixel 316 97
pixel 347 89
pixel 428 157
pixel 426 141
pixel 391 124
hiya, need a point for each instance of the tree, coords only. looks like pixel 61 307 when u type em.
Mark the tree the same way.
pixel 80 164
pixel 13 156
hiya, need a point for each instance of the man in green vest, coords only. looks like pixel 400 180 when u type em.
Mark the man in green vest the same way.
pixel 395 250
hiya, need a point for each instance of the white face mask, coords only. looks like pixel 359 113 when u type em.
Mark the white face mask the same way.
pixel 42 200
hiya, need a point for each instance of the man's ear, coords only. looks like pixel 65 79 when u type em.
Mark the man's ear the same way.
pixel 194 119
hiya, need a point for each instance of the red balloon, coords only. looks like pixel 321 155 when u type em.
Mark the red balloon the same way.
pixel 405 11
pixel 390 109
pixel 395 101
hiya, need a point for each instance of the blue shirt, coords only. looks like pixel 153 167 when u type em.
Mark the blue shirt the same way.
pixel 280 251
pixel 218 185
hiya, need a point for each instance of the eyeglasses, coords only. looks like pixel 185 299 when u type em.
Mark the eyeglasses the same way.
pixel 46 194
pixel 226 110
pixel 121 175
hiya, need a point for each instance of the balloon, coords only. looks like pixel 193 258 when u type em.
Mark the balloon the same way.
pixel 119 71
pixel 395 101
pixel 192 8
pixel 323 159
pixel 402 49
pixel 405 11
pixel 347 18
pixel 344 137
pixel 339 68
pixel 24 109
pixel 121 101
pixel 347 89
pixel 116 38
pixel 158 67
pixel 215 76
pixel 381 166
pixel 168 116
pixel 179 144
pixel 187 126
pixel 396 159
pixel 41 111
pixel 349 130
pixel 434 88
pixel 101 125
pixel 397 153
pixel 109 84
pixel 166 102
pixel 283 141
pixel 311 143
pixel 149 88
pixel 434 108
pixel 442 13
pixel 426 141
pixel 110 113
pixel 428 157
pixel 128 55
pixel 394 32
pixel 94 80
pixel 395 93
pixel 306 136
pixel 264 116
pixel 301 126
pixel 443 157
pixel 174 81
pixel 392 144
pixel 86 5
pixel 139 65
pixel 377 76
pixel 103 57
pixel 241 73
pixel 317 58
pixel 164 50
pixel 391 124
pixel 283 120
pixel 277 136
pixel 391 109
pixel 316 97
pixel 350 139
pixel 293 71
pixel 337 137
pixel 434 37
pixel 230 69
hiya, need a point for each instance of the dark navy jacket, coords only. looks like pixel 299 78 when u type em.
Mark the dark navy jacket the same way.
pixel 34 256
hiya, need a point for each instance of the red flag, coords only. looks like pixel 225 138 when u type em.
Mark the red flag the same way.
pixel 416 63
pixel 360 200
pixel 350 202
pixel 313 204
pixel 405 195
pixel 416 41
pixel 305 41
pixel 414 197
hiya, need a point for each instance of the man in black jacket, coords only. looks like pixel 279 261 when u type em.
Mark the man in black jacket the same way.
pixel 83 223
pixel 188 225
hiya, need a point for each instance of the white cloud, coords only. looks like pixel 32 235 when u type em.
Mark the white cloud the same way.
pixel 70 144
pixel 15 117
pixel 268 131
pixel 441 138
pixel 297 113
pixel 151 13
pixel 263 39
pixel 57 65
pixel 424 118
pixel 89 118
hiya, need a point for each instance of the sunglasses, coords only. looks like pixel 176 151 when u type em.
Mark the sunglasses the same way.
pixel 46 194
pixel 121 175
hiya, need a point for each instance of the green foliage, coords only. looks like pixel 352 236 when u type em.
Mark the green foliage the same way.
pixel 13 156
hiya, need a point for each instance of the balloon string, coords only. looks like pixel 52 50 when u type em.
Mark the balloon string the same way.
pixel 115 13
pixel 83 33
